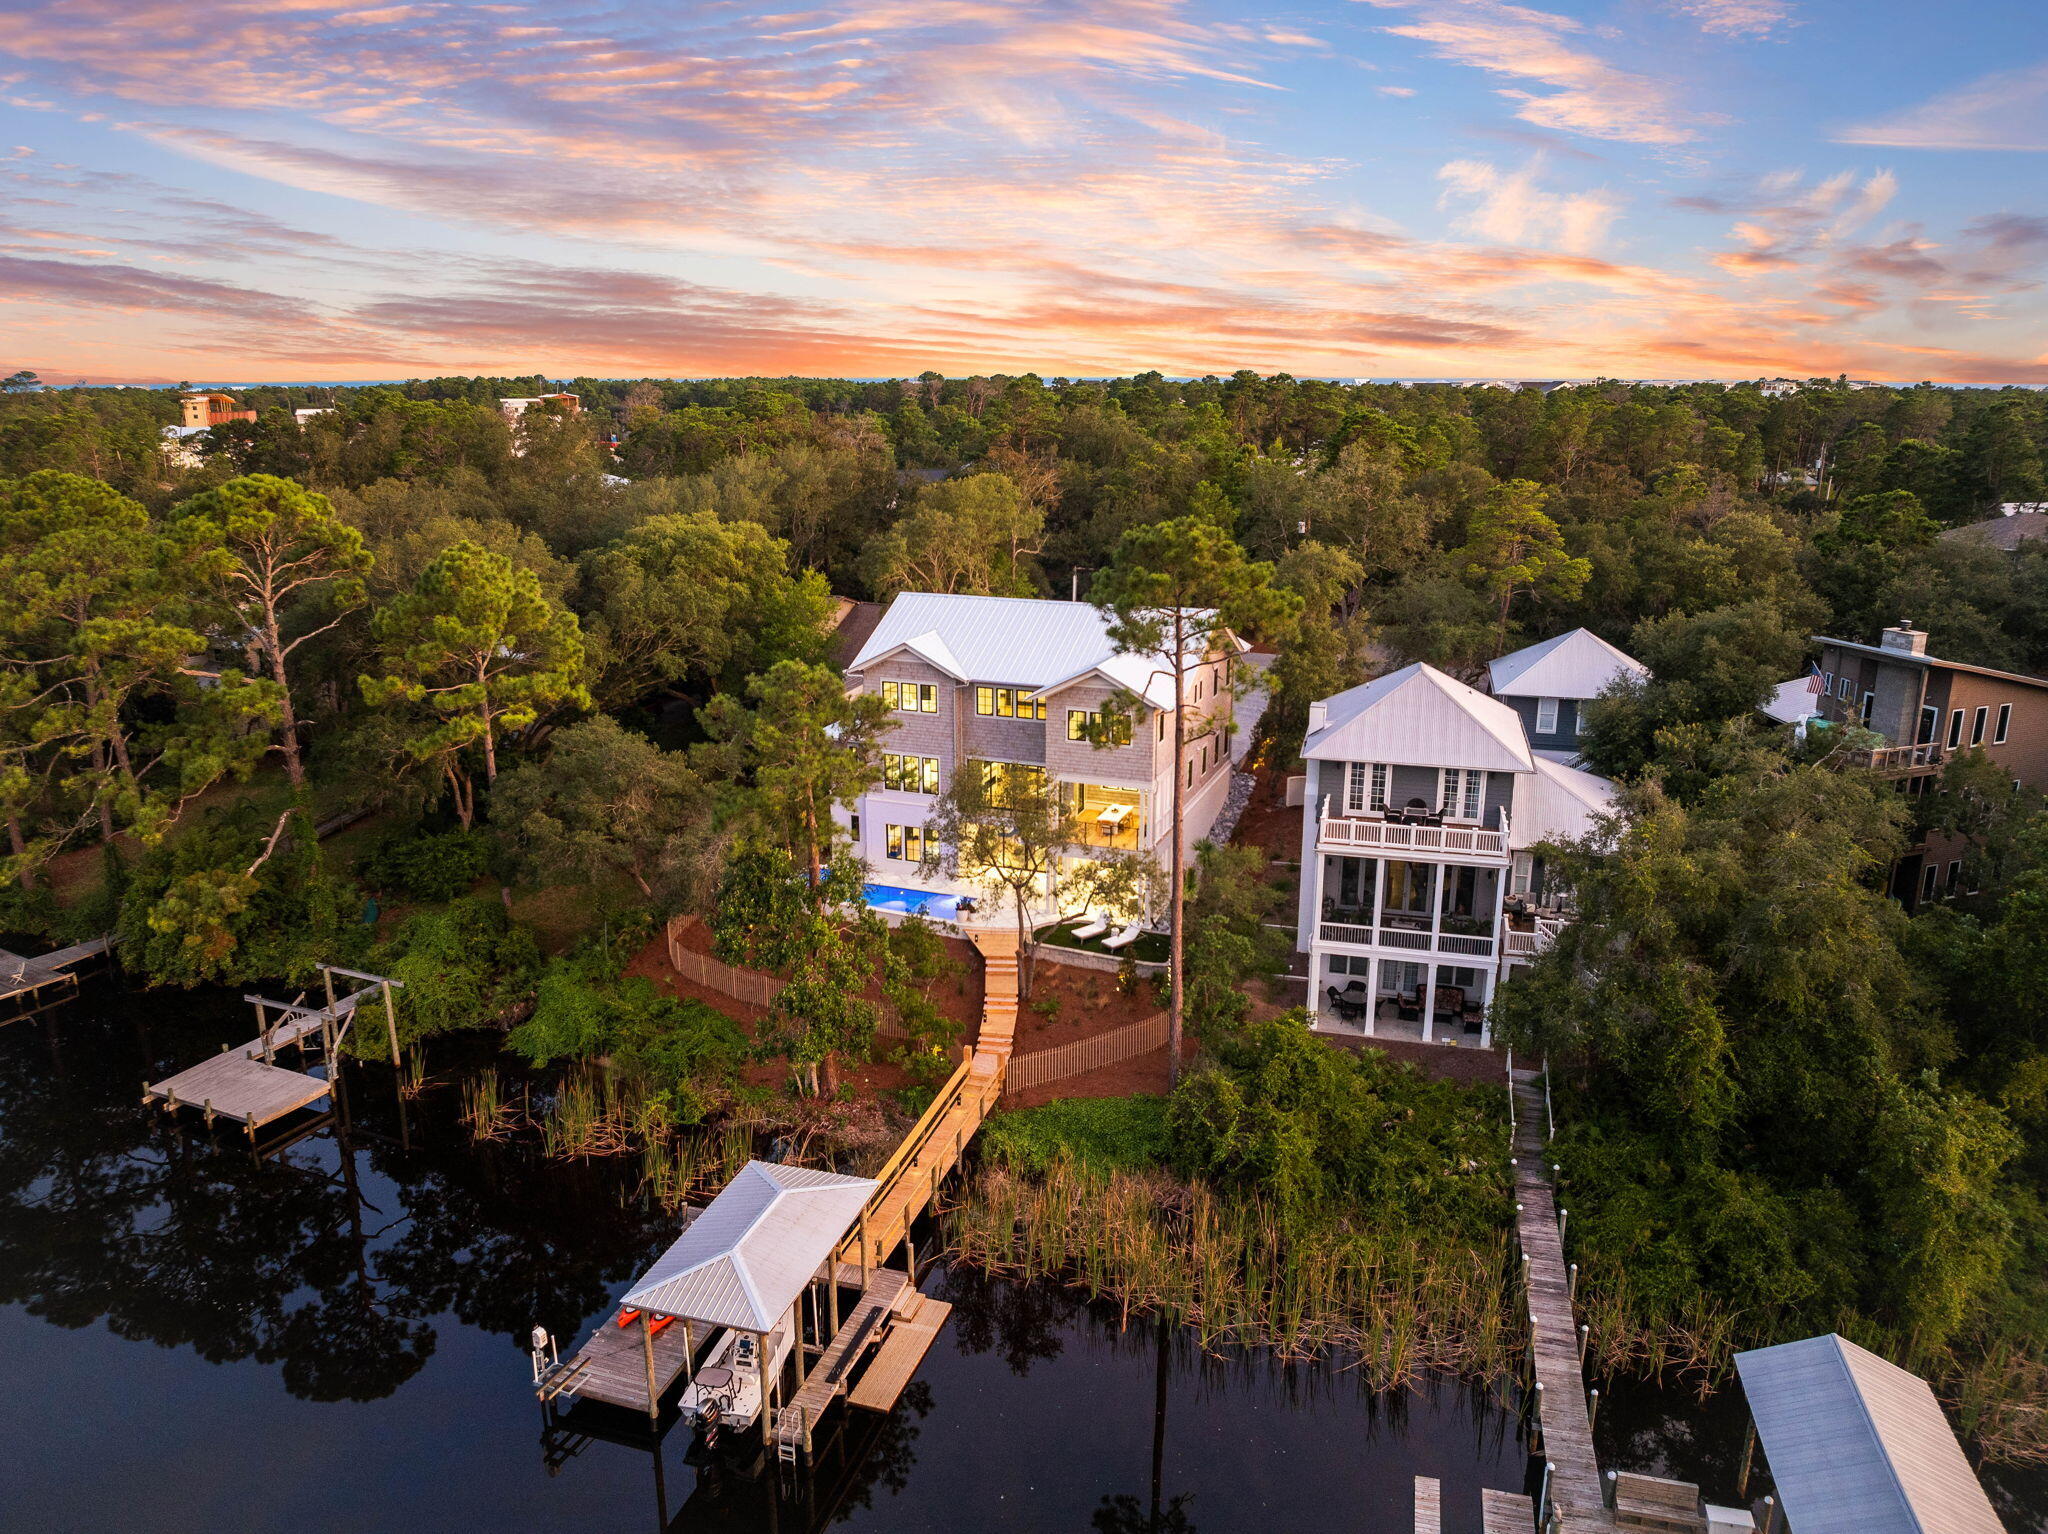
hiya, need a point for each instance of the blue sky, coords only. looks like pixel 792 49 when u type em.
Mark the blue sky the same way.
pixel 1659 188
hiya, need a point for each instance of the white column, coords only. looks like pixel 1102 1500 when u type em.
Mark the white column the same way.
pixel 1486 1010
pixel 1429 1002
pixel 1372 994
pixel 1379 889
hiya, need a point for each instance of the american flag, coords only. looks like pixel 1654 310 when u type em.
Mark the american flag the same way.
pixel 1813 684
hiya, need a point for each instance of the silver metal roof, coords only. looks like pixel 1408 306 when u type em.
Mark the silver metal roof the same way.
pixel 1013 641
pixel 749 1253
pixel 1858 1445
pixel 1419 717
pixel 1578 664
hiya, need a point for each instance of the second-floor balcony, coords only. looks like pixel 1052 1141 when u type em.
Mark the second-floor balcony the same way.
pixel 1395 831
pixel 1901 761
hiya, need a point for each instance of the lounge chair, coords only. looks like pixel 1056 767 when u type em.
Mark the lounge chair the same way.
pixel 1123 939
pixel 1092 926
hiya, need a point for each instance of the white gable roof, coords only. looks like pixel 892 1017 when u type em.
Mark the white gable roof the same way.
pixel 747 1257
pixel 1013 641
pixel 1858 1445
pixel 1418 717
pixel 1579 664
pixel 1559 803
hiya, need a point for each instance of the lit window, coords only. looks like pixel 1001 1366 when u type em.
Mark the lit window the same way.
pixel 931 774
pixel 2004 719
pixel 889 695
pixel 893 838
pixel 984 701
pixel 927 698
pixel 1005 706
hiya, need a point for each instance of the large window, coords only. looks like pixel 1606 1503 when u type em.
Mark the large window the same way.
pixel 1408 886
pixel 905 844
pixel 1463 789
pixel 1977 724
pixel 2004 720
pixel 912 774
pixel 1008 703
pixel 999 779
pixel 1365 787
pixel 911 697
pixel 1955 728
pixel 1086 724
pixel 1546 716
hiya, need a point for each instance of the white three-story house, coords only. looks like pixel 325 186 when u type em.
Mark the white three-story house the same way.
pixel 1420 882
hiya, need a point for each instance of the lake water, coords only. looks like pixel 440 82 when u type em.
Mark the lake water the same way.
pixel 334 1339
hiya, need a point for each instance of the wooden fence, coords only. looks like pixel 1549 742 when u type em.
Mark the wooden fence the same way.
pixel 1056 1064
pixel 748 985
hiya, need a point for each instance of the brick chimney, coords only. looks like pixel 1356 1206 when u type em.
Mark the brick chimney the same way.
pixel 1904 638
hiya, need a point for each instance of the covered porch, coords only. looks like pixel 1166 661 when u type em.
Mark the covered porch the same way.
pixel 1432 1002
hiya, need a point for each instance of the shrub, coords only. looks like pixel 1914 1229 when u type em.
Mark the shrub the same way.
pixel 466 965
pixel 426 865
pixel 1105 1133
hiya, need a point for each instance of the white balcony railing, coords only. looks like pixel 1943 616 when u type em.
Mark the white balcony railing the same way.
pixel 1526 945
pixel 1900 759
pixel 1451 943
pixel 1397 835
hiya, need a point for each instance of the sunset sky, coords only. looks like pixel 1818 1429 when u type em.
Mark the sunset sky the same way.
pixel 1654 188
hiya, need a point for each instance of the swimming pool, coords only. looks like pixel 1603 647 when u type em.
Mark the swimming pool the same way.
pixel 909 902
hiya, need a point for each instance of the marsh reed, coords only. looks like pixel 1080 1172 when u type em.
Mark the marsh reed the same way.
pixel 1396 1304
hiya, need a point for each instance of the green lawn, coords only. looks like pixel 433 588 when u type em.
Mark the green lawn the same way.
pixel 1150 947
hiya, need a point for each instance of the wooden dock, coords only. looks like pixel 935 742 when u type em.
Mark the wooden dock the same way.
pixel 899 1355
pixel 862 1328
pixel 612 1366
pixel 247 1085
pixel 23 980
pixel 240 1086
pixel 1575 1493
pixel 1505 1512
pixel 1429 1505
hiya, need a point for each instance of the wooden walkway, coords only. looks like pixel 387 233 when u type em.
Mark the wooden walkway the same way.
pixel 1579 1506
pixel 909 1180
pixel 1429 1505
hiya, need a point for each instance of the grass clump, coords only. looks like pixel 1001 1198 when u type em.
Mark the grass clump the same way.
pixel 1102 1133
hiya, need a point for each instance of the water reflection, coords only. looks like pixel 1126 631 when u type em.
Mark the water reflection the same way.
pixel 351 1315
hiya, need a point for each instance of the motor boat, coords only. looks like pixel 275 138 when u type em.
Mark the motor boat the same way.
pixel 725 1393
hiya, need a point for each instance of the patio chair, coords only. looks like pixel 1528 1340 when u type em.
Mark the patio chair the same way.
pixel 1346 1006
pixel 1123 939
pixel 1093 926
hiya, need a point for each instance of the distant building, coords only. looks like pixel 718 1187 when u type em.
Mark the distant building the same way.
pixel 1546 385
pixel 2017 522
pixel 1550 683
pixel 515 408
pixel 1774 387
pixel 303 416
pixel 202 410
pixel 1927 710
pixel 180 449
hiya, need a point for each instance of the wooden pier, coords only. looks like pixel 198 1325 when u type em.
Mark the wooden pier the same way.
pixel 247 1085
pixel 1573 1499
pixel 24 982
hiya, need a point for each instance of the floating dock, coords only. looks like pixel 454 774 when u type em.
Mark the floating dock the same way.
pixel 896 1360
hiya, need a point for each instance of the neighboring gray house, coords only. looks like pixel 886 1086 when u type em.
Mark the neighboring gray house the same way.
pixel 1419 883
pixel 1548 684
pixel 1008 684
